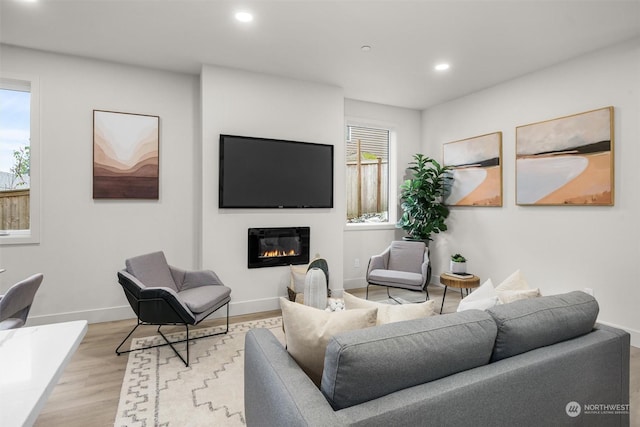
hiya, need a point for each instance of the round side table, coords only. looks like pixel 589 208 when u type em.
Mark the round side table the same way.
pixel 467 283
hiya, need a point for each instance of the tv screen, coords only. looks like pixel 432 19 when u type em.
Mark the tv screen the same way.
pixel 273 173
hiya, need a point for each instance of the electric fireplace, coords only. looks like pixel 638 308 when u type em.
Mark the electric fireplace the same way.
pixel 271 247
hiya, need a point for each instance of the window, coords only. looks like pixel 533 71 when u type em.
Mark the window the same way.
pixel 367 175
pixel 18 168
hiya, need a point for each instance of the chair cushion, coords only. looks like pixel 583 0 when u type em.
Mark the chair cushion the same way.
pixel 365 364
pixel 531 323
pixel 396 278
pixel 203 298
pixel 152 270
pixel 407 256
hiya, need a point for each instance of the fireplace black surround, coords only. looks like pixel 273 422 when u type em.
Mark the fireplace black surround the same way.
pixel 271 247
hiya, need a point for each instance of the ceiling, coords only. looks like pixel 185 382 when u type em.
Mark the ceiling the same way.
pixel 486 42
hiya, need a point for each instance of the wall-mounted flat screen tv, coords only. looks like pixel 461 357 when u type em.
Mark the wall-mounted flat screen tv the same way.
pixel 274 173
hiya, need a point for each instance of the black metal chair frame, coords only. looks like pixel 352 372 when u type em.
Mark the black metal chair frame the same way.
pixel 160 325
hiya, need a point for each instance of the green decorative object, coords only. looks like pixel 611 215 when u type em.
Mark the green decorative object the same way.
pixel 424 212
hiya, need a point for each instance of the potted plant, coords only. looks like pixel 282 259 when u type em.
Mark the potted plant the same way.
pixel 458 264
pixel 424 212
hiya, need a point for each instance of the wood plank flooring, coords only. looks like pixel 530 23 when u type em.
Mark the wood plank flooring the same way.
pixel 88 392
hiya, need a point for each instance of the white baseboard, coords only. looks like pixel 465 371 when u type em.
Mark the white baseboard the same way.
pixel 91 316
pixel 357 283
pixel 125 312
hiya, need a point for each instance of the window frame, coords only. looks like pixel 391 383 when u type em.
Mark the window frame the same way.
pixel 392 203
pixel 32 235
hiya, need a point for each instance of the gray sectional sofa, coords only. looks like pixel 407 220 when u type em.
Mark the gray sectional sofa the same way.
pixel 535 362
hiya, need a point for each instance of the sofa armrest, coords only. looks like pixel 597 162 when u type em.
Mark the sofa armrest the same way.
pixel 272 379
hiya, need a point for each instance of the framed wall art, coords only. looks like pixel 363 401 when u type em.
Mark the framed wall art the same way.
pixel 125 155
pixel 566 161
pixel 476 167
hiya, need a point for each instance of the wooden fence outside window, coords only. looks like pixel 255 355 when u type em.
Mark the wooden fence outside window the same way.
pixel 371 184
pixel 14 210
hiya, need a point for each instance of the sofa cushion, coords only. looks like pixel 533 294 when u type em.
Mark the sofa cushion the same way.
pixel 531 323
pixel 389 313
pixel 366 364
pixel 307 331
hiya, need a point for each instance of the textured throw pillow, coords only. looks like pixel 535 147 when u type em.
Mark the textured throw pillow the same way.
pixel 298 275
pixel 482 298
pixel 388 313
pixel 308 330
pixel 514 282
pixel 510 296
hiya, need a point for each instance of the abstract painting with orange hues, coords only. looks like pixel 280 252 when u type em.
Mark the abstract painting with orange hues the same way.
pixel 566 161
pixel 476 168
pixel 125 155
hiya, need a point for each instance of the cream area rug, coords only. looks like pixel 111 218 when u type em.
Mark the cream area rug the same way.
pixel 158 390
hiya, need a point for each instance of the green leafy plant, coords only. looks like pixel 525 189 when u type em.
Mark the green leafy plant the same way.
pixel 424 212
pixel 458 258
pixel 21 167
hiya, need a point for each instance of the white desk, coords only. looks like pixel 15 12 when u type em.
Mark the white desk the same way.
pixel 31 362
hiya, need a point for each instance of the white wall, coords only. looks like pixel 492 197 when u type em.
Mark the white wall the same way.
pixel 558 249
pixel 84 242
pixel 363 241
pixel 251 104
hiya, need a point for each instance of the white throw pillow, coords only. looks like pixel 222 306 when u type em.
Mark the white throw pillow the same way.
pixel 388 313
pixel 514 282
pixel 481 304
pixel 515 295
pixel 307 332
pixel 515 287
pixel 482 298
pixel 298 275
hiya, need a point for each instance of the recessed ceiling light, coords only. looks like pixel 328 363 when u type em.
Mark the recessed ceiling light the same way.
pixel 365 48
pixel 442 67
pixel 244 16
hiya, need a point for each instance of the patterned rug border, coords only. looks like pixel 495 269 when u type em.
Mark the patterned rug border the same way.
pixel 158 390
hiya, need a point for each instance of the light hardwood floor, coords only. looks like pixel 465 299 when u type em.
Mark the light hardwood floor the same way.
pixel 89 389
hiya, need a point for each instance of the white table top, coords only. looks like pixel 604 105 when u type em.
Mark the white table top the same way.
pixel 31 362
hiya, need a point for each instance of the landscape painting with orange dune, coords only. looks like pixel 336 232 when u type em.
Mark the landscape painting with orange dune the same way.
pixel 476 168
pixel 125 156
pixel 566 161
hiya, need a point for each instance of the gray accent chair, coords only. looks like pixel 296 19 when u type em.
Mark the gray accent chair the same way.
pixel 16 303
pixel 161 294
pixel 404 264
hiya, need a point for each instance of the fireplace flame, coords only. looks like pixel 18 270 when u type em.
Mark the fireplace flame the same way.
pixel 277 253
